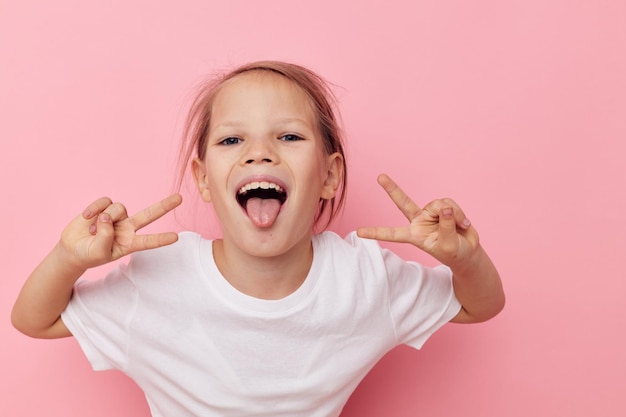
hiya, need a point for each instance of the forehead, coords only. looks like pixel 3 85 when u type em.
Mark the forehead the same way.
pixel 262 91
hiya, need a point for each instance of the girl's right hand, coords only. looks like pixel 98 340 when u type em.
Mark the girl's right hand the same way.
pixel 104 232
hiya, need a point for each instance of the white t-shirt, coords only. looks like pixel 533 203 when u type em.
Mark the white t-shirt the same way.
pixel 198 347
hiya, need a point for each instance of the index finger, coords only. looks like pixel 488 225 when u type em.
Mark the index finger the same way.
pixel 388 234
pixel 155 211
pixel 399 197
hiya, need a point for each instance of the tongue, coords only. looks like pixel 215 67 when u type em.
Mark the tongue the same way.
pixel 263 211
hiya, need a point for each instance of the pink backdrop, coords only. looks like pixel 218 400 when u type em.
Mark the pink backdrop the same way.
pixel 517 109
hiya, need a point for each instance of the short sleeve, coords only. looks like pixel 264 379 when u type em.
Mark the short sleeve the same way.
pixel 421 299
pixel 99 315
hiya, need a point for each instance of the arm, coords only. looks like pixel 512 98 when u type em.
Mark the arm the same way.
pixel 101 234
pixel 442 230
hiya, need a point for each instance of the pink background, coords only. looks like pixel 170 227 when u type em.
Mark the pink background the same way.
pixel 517 109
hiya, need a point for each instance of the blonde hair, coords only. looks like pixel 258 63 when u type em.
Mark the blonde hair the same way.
pixel 324 106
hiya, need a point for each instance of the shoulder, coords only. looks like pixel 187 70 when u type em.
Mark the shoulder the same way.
pixel 185 250
pixel 351 243
pixel 350 251
pixel 186 241
pixel 369 257
pixel 331 244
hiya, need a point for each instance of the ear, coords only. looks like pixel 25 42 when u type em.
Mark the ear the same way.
pixel 198 170
pixel 334 175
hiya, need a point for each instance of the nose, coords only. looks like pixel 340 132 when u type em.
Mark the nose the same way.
pixel 260 150
pixel 251 161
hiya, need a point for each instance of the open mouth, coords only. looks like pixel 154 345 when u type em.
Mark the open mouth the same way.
pixel 262 201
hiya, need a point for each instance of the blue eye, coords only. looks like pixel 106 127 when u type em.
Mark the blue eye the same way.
pixel 230 141
pixel 290 137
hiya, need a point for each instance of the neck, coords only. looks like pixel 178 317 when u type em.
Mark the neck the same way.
pixel 264 277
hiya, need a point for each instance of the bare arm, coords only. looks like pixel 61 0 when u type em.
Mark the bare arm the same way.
pixel 442 230
pixel 101 234
pixel 478 287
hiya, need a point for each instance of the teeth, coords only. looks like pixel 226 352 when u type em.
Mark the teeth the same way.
pixel 264 185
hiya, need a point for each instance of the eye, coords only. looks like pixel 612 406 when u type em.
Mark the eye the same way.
pixel 231 140
pixel 290 137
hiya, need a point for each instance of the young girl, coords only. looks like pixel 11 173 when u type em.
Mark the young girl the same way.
pixel 272 319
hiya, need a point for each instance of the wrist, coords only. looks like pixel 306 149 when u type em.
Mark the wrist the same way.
pixel 65 262
pixel 471 264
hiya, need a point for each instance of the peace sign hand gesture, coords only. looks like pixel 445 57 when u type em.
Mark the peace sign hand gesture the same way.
pixel 101 234
pixel 440 228
pixel 104 232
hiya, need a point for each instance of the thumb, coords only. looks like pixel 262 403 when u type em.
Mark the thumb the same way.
pixel 103 239
pixel 447 230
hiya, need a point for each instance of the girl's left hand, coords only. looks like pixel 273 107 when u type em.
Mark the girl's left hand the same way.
pixel 440 228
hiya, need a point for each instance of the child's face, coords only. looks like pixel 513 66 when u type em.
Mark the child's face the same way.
pixel 265 168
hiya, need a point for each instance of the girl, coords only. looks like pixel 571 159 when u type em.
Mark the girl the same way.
pixel 272 319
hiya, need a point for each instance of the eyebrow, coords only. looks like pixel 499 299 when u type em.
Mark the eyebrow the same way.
pixel 279 122
pixel 228 124
pixel 289 120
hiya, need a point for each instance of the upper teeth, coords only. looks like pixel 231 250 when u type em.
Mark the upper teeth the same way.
pixel 265 185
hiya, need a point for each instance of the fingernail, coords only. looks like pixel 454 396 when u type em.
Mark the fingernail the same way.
pixel 87 213
pixel 104 218
pixel 93 229
pixel 447 211
pixel 466 223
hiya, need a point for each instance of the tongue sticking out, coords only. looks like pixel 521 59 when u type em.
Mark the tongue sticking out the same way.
pixel 263 211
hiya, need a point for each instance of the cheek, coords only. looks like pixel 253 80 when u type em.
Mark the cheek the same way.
pixel 319 158
pixel 317 175
pixel 215 177
pixel 315 167
pixel 214 167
